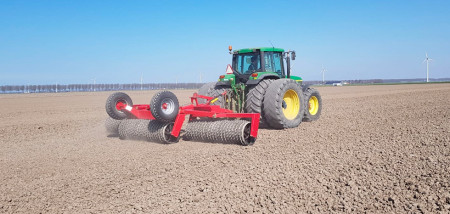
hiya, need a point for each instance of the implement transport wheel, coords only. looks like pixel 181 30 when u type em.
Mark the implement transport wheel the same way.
pixel 255 99
pixel 284 104
pixel 164 106
pixel 115 104
pixel 313 105
pixel 204 90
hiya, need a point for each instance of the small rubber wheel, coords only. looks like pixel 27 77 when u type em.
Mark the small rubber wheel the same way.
pixel 115 103
pixel 314 105
pixel 164 106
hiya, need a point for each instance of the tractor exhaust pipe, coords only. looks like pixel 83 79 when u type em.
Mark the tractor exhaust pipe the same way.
pixel 288 61
pixel 288 64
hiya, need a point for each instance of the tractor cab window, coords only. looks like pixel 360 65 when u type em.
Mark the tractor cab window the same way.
pixel 273 62
pixel 247 63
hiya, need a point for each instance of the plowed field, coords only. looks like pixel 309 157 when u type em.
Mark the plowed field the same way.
pixel 375 149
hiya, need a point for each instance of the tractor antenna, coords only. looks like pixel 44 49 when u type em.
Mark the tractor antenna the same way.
pixel 271 44
pixel 427 59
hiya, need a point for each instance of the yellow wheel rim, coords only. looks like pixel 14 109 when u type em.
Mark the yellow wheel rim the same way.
pixel 291 105
pixel 313 105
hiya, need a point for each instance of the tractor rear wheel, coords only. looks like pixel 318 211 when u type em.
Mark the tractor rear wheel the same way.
pixel 114 103
pixel 217 91
pixel 313 107
pixel 284 104
pixel 204 90
pixel 164 106
pixel 255 99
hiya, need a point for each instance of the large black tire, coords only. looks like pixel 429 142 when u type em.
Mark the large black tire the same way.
pixel 217 91
pixel 164 106
pixel 204 90
pixel 255 99
pixel 284 104
pixel 111 103
pixel 313 105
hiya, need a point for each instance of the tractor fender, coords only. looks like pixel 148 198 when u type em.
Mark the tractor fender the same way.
pixel 264 76
pixel 224 83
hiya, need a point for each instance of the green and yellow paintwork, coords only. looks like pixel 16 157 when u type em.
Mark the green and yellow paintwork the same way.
pixel 292 102
pixel 313 105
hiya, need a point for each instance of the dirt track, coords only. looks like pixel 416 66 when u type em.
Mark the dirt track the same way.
pixel 375 149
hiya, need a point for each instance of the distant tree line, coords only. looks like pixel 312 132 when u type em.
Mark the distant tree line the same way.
pixel 57 88
pixel 330 82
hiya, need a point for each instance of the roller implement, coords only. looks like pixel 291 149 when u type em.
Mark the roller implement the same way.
pixel 257 90
pixel 162 120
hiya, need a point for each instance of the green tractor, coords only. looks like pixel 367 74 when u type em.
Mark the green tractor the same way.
pixel 258 81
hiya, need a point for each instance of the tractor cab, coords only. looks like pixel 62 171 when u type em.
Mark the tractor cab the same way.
pixel 251 65
pixel 253 62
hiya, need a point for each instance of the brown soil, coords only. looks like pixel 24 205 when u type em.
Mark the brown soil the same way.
pixel 375 149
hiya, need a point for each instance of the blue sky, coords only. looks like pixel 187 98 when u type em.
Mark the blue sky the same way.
pixel 46 42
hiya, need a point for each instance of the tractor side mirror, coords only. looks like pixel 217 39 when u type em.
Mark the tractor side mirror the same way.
pixel 293 55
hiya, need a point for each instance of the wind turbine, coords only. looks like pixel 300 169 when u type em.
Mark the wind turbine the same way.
pixel 323 75
pixel 93 86
pixel 142 74
pixel 427 59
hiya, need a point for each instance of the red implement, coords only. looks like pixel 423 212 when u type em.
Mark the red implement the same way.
pixel 194 111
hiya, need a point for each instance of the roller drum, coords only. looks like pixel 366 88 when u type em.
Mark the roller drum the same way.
pixel 148 130
pixel 220 131
pixel 112 126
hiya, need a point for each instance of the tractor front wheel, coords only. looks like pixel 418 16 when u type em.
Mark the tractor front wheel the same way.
pixel 283 104
pixel 313 105
pixel 164 106
pixel 116 103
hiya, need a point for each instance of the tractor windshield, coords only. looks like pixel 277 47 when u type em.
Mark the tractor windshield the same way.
pixel 273 62
pixel 246 63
